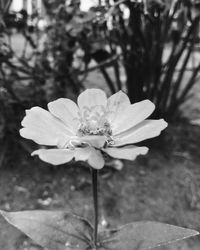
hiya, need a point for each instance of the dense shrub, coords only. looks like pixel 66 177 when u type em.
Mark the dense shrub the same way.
pixel 156 41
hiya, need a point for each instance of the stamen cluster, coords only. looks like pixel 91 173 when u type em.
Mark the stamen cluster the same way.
pixel 94 122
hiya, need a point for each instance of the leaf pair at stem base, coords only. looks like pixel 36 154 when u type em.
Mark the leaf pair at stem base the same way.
pixel 58 230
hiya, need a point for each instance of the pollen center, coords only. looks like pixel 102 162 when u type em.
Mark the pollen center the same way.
pixel 93 122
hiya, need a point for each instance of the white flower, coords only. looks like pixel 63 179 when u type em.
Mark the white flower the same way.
pixel 95 125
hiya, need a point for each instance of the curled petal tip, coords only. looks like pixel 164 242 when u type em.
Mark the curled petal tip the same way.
pixel 150 103
pixel 20 132
pixel 27 111
pixel 36 152
pixel 144 151
pixel 164 123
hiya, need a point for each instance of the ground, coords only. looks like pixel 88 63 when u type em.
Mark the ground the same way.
pixel 162 186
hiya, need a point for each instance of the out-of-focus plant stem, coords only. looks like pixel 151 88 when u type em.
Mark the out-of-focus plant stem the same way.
pixel 95 200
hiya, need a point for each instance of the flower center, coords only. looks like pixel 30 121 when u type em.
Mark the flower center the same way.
pixel 93 122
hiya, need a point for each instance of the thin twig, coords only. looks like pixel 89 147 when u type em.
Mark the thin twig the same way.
pixel 99 65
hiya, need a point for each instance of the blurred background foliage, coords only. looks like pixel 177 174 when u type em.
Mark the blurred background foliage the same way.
pixel 147 48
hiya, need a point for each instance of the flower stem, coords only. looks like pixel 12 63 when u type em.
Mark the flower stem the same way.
pixel 95 200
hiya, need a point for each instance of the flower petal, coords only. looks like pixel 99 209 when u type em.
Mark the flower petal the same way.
pixel 61 156
pixel 44 138
pixel 91 98
pixel 94 140
pixel 128 153
pixel 96 159
pixel 91 155
pixel 144 130
pixel 67 111
pixel 133 115
pixel 55 156
pixel 116 105
pixel 43 128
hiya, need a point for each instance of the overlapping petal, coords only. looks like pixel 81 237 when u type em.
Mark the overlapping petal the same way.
pixel 61 156
pixel 55 156
pixel 95 141
pixel 144 130
pixel 96 159
pixel 116 105
pixel 91 98
pixel 133 115
pixel 67 111
pixel 43 128
pixel 128 153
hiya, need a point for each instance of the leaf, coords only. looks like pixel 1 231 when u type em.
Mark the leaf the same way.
pixel 55 230
pixel 143 235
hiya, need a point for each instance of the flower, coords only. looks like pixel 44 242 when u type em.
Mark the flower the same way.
pixel 96 125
